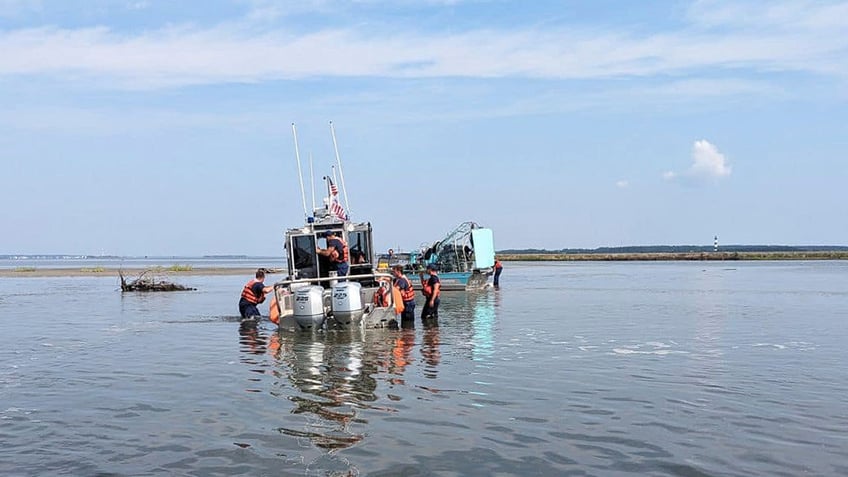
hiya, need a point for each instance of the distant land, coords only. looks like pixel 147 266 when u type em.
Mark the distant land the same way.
pixel 627 253
pixel 682 252
pixel 65 256
pixel 681 249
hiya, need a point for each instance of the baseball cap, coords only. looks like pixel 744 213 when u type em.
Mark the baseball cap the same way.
pixel 431 266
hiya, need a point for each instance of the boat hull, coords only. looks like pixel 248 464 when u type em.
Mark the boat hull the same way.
pixel 457 281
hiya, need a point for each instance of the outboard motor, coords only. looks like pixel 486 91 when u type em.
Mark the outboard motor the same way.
pixel 309 307
pixel 347 303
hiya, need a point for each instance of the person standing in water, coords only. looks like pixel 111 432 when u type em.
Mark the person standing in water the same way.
pixel 407 294
pixel 432 289
pixel 498 270
pixel 253 294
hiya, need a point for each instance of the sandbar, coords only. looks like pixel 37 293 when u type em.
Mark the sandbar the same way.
pixel 130 273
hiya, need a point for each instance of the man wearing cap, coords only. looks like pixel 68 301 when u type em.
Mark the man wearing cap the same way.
pixel 432 289
pixel 336 252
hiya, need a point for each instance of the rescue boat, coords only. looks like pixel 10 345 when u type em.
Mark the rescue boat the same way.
pixel 313 297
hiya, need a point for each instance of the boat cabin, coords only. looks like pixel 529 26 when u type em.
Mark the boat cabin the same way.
pixel 304 260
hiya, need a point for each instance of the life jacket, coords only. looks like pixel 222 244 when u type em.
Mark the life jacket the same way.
pixel 247 293
pixel 334 255
pixel 498 264
pixel 274 311
pixel 406 294
pixel 381 296
pixel 426 288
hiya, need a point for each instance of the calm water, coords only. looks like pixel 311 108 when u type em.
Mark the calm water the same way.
pixel 569 369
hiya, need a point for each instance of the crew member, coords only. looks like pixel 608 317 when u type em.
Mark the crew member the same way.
pixel 432 289
pixel 498 270
pixel 407 295
pixel 337 252
pixel 253 294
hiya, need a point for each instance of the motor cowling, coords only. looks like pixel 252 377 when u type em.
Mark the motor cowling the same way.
pixel 309 307
pixel 347 302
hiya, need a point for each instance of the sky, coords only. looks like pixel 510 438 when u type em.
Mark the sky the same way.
pixel 133 127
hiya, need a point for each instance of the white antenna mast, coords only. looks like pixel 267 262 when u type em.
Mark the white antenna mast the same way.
pixel 299 173
pixel 341 172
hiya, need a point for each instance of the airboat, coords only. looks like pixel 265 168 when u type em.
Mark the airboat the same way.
pixel 464 258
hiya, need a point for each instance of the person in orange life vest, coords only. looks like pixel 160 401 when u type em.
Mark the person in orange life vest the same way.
pixel 432 289
pixel 253 294
pixel 498 269
pixel 337 252
pixel 407 294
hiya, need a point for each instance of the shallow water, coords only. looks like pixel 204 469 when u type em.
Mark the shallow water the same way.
pixel 569 369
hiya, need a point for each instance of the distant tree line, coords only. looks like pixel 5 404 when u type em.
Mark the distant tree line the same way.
pixel 678 249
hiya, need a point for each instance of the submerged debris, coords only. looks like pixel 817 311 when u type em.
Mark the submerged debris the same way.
pixel 148 281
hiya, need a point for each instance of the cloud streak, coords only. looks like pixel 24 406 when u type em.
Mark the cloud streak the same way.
pixel 236 52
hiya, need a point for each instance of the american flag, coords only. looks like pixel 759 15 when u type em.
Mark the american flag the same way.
pixel 337 209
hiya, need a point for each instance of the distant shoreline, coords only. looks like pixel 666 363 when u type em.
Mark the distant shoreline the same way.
pixel 672 256
pixel 130 273
pixel 38 272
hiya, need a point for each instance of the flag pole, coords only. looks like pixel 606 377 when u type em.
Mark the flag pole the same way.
pixel 299 173
pixel 341 172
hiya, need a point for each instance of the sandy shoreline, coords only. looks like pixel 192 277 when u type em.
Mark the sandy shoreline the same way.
pixel 132 272
pixel 128 272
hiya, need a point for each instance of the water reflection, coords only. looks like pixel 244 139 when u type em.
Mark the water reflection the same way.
pixel 430 351
pixel 470 320
pixel 336 381
pixel 401 356
pixel 252 341
pixel 334 376
pixel 483 326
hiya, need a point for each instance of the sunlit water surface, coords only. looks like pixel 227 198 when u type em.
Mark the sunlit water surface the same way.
pixel 569 369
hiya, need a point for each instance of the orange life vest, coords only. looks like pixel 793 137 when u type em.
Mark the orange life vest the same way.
pixel 406 294
pixel 274 311
pixel 334 255
pixel 498 264
pixel 248 295
pixel 426 288
pixel 381 296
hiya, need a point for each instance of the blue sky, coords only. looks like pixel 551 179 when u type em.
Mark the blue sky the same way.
pixel 136 127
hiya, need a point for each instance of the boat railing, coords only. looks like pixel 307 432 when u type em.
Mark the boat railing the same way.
pixel 321 280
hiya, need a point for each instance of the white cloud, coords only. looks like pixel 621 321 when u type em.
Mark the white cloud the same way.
pixel 622 184
pixel 707 163
pixel 241 52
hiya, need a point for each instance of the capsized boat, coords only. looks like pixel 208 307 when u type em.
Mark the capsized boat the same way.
pixel 313 297
pixel 464 258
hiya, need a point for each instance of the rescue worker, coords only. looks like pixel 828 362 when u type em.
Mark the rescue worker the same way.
pixel 498 270
pixel 407 295
pixel 337 252
pixel 432 289
pixel 253 294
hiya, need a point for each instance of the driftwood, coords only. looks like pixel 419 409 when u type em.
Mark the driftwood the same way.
pixel 147 281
